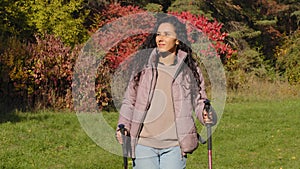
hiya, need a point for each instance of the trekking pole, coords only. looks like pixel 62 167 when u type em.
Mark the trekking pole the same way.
pixel 208 125
pixel 124 145
pixel 209 146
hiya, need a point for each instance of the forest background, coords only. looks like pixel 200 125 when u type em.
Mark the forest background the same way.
pixel 41 40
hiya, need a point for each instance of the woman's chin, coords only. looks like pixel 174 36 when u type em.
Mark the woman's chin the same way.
pixel 164 53
pixel 162 50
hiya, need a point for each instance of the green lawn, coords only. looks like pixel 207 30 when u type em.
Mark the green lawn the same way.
pixel 251 135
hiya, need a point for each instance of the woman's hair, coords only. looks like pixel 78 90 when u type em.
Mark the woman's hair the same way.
pixel 184 45
pixel 180 30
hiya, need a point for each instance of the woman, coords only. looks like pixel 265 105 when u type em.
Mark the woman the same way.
pixel 160 99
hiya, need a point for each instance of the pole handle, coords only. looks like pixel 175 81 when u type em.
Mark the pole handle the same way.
pixel 122 128
pixel 209 133
pixel 124 145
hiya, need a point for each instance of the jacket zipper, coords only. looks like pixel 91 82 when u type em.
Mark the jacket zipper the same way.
pixel 175 76
pixel 149 101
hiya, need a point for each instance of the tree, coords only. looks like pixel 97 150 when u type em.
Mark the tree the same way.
pixel 14 21
pixel 257 29
pixel 64 19
pixel 288 64
pixel 192 6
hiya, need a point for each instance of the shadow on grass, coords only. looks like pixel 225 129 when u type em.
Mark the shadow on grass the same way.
pixel 8 111
pixel 14 114
pixel 17 116
pixel 9 108
pixel 9 117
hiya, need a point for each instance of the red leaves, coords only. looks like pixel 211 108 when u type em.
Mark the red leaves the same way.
pixel 112 12
pixel 126 46
pixel 122 31
pixel 119 37
pixel 45 74
pixel 210 29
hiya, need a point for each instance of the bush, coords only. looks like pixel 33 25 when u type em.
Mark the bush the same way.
pixel 38 74
pixel 288 63
pixel 124 47
pixel 14 78
pixel 242 68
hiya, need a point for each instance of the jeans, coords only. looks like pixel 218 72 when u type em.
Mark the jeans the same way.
pixel 152 158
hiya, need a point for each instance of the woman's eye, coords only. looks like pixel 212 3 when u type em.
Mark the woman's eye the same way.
pixel 163 34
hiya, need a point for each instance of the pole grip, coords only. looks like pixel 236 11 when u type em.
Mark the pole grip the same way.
pixel 207 108
pixel 124 145
pixel 209 133
pixel 122 128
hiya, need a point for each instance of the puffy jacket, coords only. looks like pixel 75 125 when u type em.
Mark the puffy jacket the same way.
pixel 137 100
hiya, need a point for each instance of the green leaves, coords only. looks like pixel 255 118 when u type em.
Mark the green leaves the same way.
pixel 288 59
pixel 58 17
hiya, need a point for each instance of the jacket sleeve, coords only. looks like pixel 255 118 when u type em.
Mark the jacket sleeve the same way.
pixel 128 103
pixel 200 98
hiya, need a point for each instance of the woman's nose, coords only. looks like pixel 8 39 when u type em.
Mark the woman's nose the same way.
pixel 160 37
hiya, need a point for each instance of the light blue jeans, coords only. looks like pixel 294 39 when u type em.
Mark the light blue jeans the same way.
pixel 152 158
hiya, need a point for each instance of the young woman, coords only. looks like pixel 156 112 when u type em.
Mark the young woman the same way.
pixel 160 99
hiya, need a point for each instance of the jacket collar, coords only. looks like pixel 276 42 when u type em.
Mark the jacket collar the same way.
pixel 181 55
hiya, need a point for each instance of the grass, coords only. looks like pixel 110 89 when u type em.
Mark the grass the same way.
pixel 259 135
pixel 50 140
pixel 251 135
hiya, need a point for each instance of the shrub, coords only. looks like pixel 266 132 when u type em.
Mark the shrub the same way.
pixel 288 63
pixel 14 77
pixel 39 74
pixel 243 68
pixel 124 47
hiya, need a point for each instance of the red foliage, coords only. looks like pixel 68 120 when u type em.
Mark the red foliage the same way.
pixel 52 70
pixel 122 31
pixel 210 29
pixel 126 46
pixel 41 72
pixel 119 37
pixel 112 12
pixel 129 45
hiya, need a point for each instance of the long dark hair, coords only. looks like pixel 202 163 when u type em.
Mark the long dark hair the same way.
pixel 184 45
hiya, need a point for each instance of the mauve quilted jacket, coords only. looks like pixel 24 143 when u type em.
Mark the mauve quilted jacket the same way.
pixel 137 101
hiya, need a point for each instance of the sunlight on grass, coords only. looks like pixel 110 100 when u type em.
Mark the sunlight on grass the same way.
pixel 252 134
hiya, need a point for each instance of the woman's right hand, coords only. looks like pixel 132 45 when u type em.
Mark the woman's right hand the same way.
pixel 119 135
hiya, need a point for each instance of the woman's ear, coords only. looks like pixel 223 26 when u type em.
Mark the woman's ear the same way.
pixel 177 42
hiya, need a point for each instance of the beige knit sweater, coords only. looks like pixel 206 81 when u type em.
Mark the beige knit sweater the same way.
pixel 159 129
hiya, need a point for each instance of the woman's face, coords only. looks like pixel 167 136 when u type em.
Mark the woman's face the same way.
pixel 166 38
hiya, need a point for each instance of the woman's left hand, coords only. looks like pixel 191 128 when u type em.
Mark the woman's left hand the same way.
pixel 209 118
